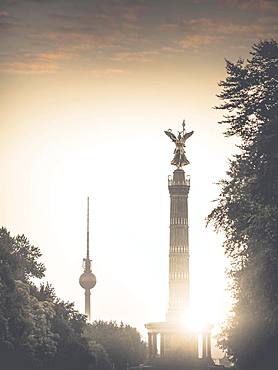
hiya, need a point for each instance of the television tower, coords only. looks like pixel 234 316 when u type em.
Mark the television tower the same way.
pixel 87 280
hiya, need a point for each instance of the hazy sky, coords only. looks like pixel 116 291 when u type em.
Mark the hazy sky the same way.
pixel 87 88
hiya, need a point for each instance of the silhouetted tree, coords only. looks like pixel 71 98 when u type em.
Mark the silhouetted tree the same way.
pixel 38 331
pixel 101 358
pixel 24 321
pixel 247 208
pixel 122 342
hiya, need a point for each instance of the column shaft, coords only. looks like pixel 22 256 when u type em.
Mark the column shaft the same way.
pixel 204 345
pixel 162 345
pixel 150 345
pixel 208 345
pixel 179 247
pixel 154 344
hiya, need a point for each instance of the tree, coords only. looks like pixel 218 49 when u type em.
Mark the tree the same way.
pixel 122 342
pixel 101 358
pixel 247 208
pixel 73 349
pixel 23 319
pixel 38 331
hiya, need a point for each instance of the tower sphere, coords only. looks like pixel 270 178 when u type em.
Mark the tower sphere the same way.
pixel 87 280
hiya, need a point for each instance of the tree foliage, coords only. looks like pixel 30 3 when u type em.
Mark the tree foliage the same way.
pixel 247 208
pixel 122 343
pixel 38 331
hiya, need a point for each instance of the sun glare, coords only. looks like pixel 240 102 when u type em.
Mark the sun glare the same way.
pixel 196 321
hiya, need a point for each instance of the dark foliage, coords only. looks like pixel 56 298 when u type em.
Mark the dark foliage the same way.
pixel 122 343
pixel 247 208
pixel 38 331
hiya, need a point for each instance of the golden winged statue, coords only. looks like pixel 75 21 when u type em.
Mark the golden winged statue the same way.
pixel 179 159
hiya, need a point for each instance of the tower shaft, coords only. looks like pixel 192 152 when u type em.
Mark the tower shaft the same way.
pixel 88 232
pixel 179 247
pixel 88 304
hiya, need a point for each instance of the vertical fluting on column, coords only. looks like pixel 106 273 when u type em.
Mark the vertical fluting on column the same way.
pixel 150 345
pixel 206 344
pixel 179 248
pixel 209 345
pixel 162 344
pixel 154 344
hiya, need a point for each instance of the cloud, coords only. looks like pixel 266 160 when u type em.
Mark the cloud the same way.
pixel 89 34
pixel 9 22
pixel 206 31
pixel 171 50
pixel 168 27
pixel 33 63
pixel 208 25
pixel 109 15
pixel 9 2
pixel 83 39
pixel 195 41
pixel 4 14
pixel 9 26
pixel 52 56
pixel 255 5
pixel 107 72
pixel 27 67
pixel 105 24
pixel 134 56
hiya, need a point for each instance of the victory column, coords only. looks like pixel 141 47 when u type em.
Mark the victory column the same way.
pixel 173 335
pixel 178 187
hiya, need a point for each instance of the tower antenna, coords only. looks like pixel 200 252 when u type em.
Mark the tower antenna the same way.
pixel 88 232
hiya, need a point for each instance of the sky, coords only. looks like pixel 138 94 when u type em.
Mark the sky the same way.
pixel 87 89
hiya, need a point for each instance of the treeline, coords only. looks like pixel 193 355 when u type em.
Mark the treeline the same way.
pixel 247 208
pixel 39 331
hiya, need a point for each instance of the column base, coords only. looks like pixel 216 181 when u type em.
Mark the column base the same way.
pixel 175 340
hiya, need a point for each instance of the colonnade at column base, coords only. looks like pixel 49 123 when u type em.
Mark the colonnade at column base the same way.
pixel 172 339
pixel 172 342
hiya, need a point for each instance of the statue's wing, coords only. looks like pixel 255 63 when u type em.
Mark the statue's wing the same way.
pixel 171 136
pixel 187 135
